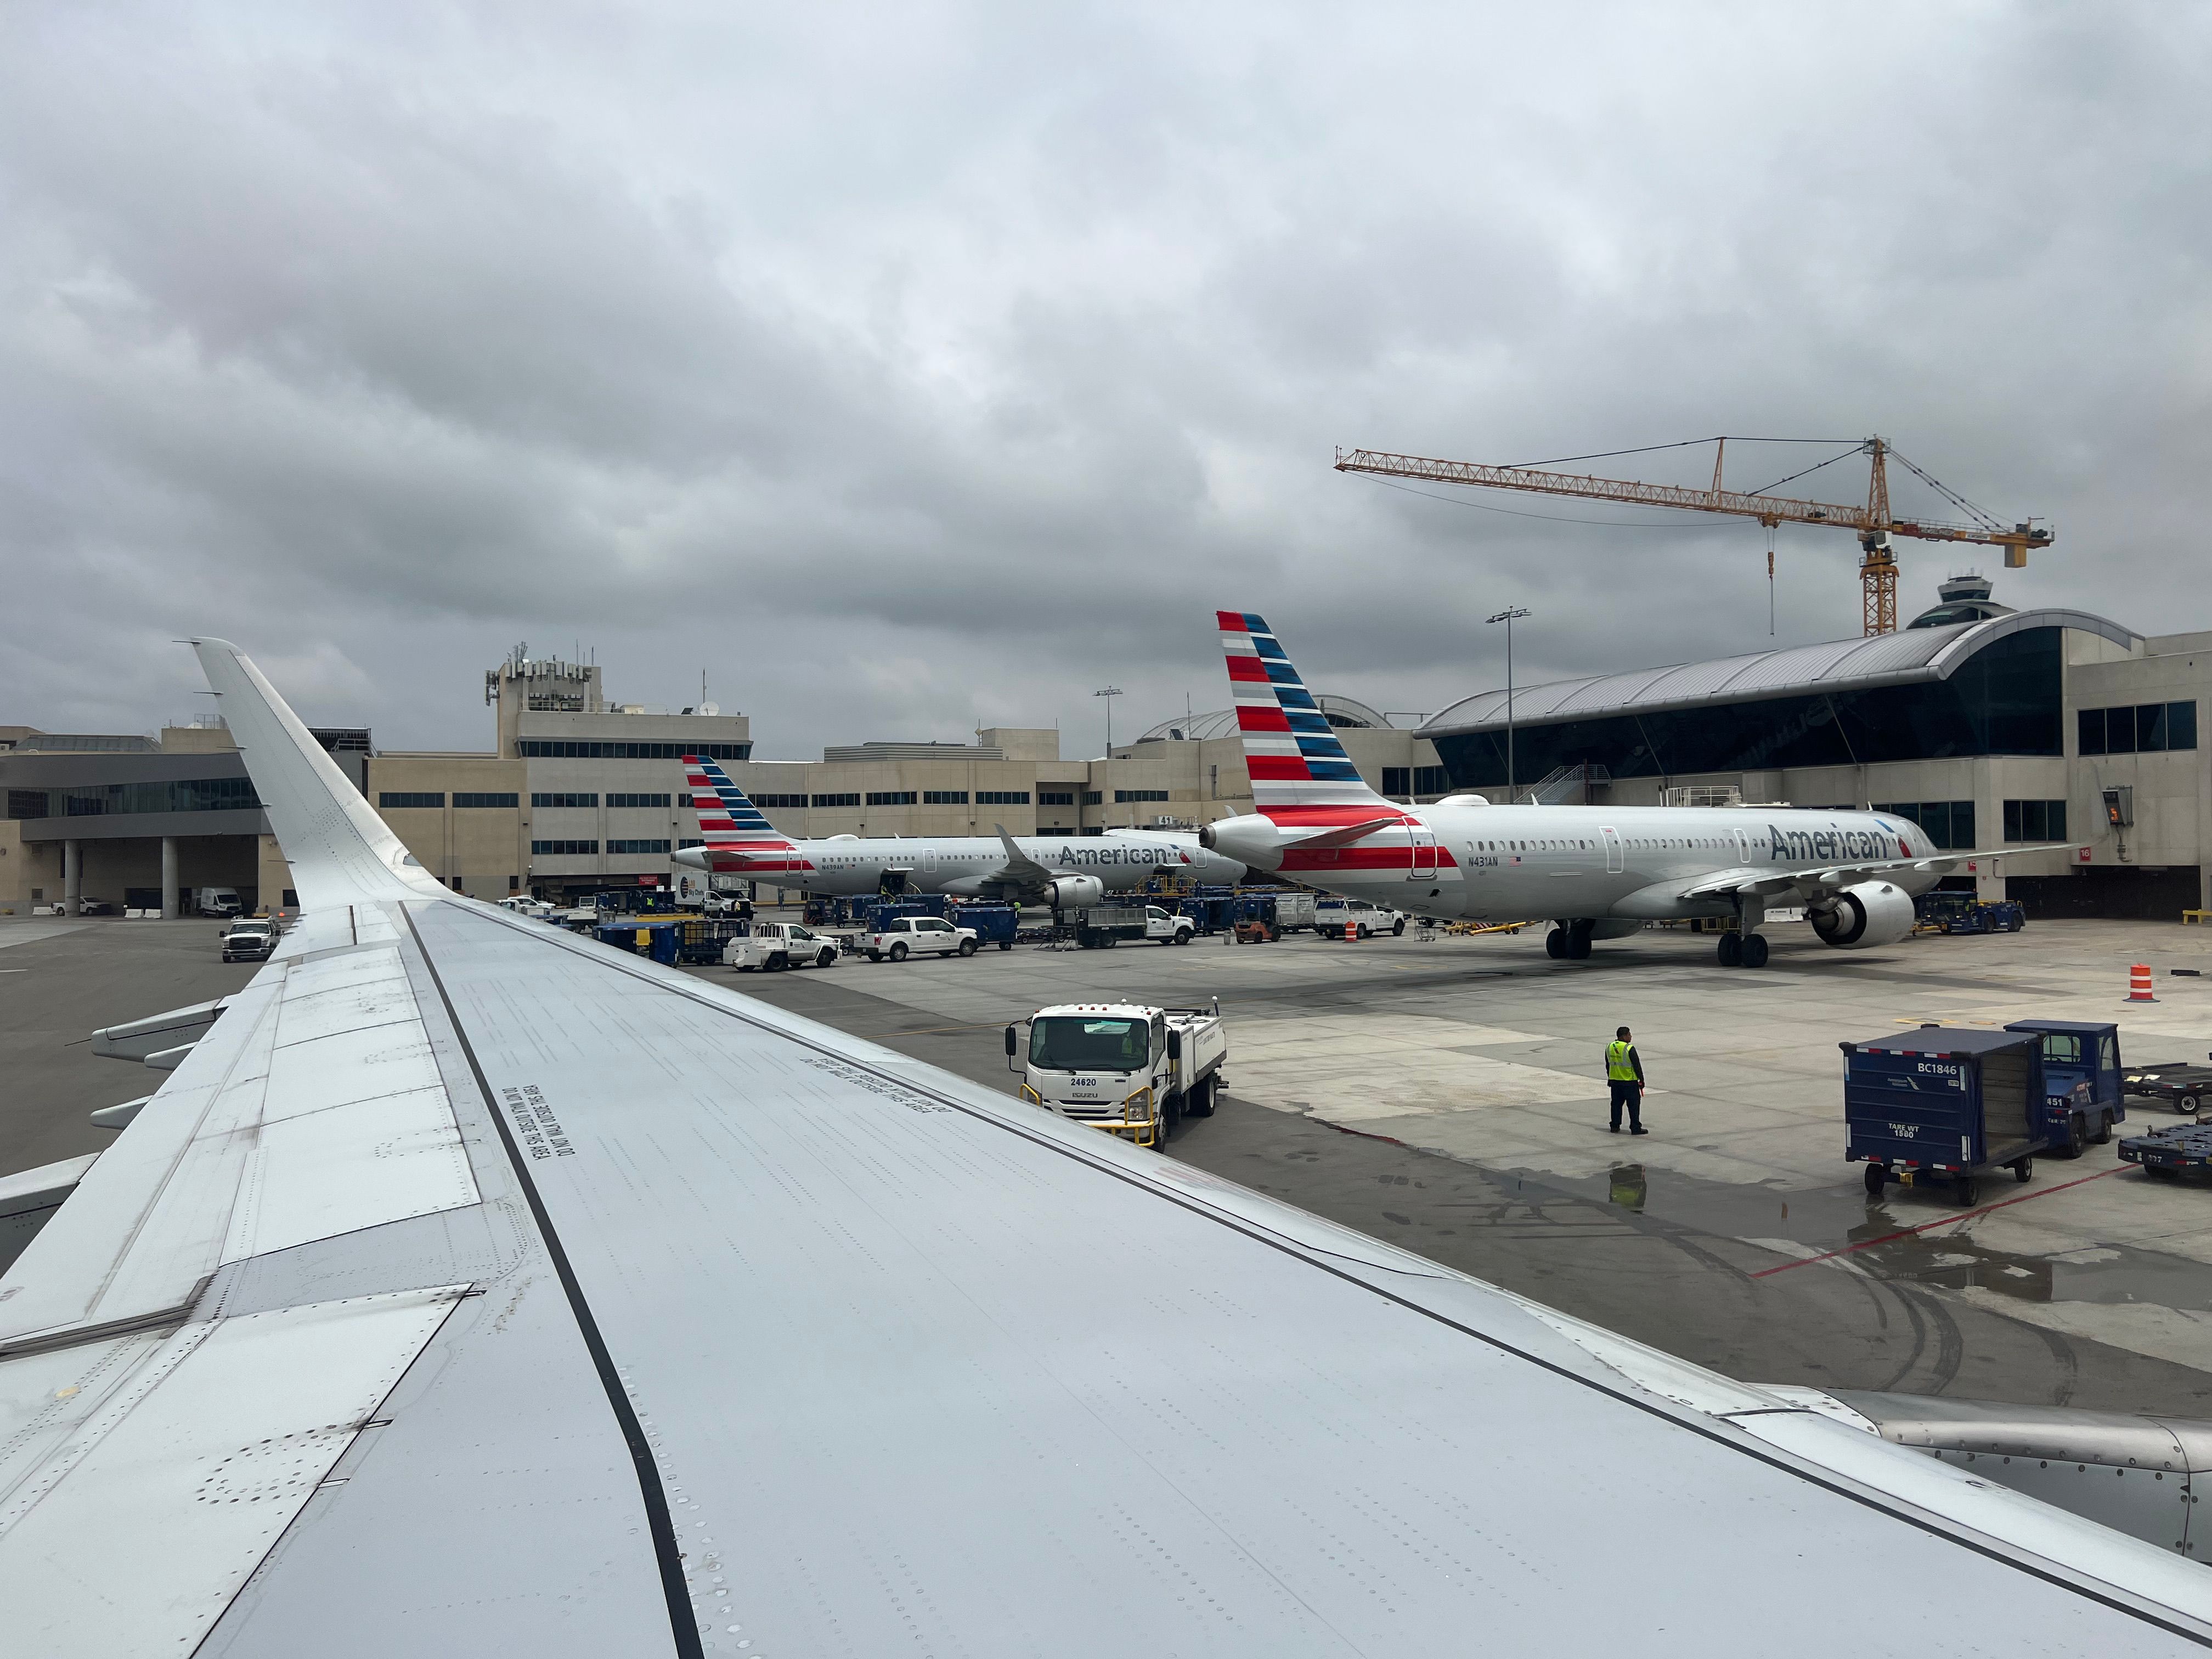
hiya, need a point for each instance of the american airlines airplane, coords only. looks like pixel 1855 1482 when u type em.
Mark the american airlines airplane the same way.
pixel 1070 871
pixel 468 1287
pixel 1595 872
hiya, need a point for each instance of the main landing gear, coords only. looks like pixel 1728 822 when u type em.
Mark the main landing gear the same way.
pixel 1568 943
pixel 1743 950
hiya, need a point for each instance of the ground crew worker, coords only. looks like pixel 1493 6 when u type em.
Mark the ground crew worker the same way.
pixel 1624 1071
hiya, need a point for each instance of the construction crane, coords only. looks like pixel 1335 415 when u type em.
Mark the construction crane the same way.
pixel 1874 522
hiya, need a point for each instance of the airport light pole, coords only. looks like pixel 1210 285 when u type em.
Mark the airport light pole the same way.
pixel 1506 617
pixel 1109 693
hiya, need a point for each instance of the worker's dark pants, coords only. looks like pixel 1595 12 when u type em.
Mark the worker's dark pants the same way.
pixel 1629 1095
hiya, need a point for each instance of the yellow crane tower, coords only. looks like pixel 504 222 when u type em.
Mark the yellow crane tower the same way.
pixel 1875 522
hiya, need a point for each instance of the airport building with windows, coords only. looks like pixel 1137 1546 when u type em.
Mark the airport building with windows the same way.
pixel 580 794
pixel 1989 726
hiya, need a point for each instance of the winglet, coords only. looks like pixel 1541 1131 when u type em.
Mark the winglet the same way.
pixel 1018 863
pixel 340 852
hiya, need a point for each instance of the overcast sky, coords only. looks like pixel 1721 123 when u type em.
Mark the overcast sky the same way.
pixel 908 369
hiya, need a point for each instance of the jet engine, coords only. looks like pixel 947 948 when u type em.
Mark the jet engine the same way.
pixel 1871 913
pixel 1251 839
pixel 1075 892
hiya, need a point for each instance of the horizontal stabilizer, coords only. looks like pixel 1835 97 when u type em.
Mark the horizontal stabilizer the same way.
pixel 1346 837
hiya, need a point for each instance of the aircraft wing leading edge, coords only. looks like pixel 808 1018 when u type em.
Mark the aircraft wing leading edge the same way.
pixel 667 1322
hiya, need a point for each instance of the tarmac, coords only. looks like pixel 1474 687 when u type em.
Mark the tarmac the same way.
pixel 1448 1096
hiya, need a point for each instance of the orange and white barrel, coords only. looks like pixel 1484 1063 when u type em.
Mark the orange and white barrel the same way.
pixel 1351 932
pixel 2139 983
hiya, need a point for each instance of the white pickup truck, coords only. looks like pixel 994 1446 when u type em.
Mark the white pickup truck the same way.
pixel 1330 914
pixel 916 936
pixel 776 945
pixel 1127 1068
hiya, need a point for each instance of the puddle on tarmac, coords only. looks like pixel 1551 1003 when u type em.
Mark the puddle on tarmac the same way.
pixel 1834 1218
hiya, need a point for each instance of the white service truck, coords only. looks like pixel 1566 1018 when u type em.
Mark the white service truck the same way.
pixel 1102 927
pixel 217 901
pixel 776 944
pixel 1127 1068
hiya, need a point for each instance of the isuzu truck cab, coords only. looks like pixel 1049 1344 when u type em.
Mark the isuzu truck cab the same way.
pixel 1127 1068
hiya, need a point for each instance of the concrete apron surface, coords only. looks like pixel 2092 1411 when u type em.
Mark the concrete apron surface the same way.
pixel 1485 1051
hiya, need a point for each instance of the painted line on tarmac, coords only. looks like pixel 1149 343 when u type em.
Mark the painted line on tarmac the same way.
pixel 1946 1221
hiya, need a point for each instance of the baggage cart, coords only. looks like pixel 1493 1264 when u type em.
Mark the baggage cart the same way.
pixel 2184 1087
pixel 1944 1103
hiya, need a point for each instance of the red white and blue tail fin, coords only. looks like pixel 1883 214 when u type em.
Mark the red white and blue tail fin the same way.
pixel 1296 760
pixel 737 836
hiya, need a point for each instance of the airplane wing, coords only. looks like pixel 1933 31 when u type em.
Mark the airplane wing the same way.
pixel 473 1287
pixel 1813 883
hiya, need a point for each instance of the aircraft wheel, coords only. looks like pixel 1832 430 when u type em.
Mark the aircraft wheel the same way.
pixel 967 947
pixel 1555 944
pixel 1730 950
pixel 1876 1178
pixel 898 951
pixel 1754 950
pixel 2104 1134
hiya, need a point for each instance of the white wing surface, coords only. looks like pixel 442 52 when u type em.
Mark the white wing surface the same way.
pixel 474 1288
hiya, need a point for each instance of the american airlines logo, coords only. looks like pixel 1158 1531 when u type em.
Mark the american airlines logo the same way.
pixel 1803 845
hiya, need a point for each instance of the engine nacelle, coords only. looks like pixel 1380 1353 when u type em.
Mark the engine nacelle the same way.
pixel 1249 838
pixel 1871 913
pixel 1075 892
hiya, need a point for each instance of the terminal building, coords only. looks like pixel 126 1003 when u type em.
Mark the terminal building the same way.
pixel 579 794
pixel 1987 726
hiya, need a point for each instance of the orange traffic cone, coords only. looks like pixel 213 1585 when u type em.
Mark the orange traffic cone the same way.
pixel 1351 933
pixel 2139 983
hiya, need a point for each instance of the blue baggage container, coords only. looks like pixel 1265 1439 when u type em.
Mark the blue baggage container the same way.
pixel 1944 1103
pixel 657 938
pixel 994 924
pixel 2084 1091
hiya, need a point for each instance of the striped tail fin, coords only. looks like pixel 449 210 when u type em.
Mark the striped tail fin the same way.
pixel 734 831
pixel 1297 764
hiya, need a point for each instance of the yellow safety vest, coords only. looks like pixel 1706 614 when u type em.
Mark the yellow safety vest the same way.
pixel 1618 1068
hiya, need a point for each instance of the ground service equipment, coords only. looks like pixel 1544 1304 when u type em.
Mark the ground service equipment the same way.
pixel 1945 1104
pixel 2082 1096
pixel 1127 1068
pixel 2185 1088
pixel 2178 1149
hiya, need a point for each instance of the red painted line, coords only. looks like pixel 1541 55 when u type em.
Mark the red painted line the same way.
pixel 1949 1221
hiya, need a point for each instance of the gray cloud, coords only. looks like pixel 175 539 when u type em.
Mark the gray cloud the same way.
pixel 909 369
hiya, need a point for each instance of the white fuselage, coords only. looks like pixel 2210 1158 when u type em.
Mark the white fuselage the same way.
pixel 1123 861
pixel 1568 863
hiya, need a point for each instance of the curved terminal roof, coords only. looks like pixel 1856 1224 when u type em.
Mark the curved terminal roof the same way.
pixel 1343 713
pixel 1919 653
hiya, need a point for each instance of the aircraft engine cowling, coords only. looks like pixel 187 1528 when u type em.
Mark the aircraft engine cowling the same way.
pixel 1075 892
pixel 1871 913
